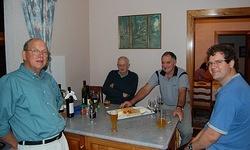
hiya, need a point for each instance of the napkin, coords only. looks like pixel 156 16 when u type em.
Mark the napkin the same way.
pixel 72 93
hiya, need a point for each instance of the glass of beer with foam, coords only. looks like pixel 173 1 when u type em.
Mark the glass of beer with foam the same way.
pixel 113 118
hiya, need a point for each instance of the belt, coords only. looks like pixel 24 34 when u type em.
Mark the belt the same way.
pixel 42 141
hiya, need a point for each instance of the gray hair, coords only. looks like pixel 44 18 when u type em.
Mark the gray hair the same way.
pixel 123 58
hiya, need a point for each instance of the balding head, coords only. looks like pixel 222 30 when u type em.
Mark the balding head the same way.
pixel 123 65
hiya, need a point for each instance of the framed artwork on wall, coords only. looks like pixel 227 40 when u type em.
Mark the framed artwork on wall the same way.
pixel 140 31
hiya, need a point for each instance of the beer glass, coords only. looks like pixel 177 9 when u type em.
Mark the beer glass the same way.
pixel 113 119
pixel 161 120
pixel 106 103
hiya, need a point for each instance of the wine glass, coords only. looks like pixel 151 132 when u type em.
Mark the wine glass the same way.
pixel 159 101
pixel 152 105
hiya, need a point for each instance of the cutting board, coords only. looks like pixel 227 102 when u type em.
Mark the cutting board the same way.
pixel 135 112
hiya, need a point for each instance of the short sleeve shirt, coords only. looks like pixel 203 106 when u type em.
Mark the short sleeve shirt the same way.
pixel 230 116
pixel 169 87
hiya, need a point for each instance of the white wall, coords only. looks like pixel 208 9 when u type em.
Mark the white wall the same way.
pixel 104 36
pixel 86 34
pixel 70 42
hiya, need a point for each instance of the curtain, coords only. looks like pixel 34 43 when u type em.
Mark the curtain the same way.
pixel 39 17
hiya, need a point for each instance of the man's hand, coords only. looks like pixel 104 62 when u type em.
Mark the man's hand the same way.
pixel 126 104
pixel 179 112
pixel 13 148
pixel 10 139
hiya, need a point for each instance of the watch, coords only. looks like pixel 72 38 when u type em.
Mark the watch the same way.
pixel 180 107
pixel 190 147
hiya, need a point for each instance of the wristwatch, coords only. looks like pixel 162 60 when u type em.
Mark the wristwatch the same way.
pixel 180 107
pixel 190 147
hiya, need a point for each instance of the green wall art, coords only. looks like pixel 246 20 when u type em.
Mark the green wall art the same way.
pixel 140 31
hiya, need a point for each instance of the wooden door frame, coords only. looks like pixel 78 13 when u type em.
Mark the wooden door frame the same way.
pixel 206 13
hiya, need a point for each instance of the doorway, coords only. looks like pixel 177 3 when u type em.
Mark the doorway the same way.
pixel 239 40
pixel 208 14
pixel 2 42
pixel 192 16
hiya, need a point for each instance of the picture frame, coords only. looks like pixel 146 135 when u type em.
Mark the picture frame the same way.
pixel 242 51
pixel 140 31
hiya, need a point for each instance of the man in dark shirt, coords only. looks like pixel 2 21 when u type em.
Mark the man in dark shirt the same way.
pixel 120 85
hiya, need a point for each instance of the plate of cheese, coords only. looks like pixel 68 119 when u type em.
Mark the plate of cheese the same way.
pixel 129 112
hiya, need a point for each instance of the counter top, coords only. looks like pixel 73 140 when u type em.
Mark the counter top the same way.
pixel 140 130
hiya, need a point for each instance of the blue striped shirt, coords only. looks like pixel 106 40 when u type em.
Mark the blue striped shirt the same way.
pixel 29 105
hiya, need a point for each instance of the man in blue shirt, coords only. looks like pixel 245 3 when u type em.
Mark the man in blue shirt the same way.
pixel 229 124
pixel 29 102
pixel 120 85
pixel 173 82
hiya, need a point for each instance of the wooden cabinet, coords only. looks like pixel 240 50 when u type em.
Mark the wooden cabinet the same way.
pixel 79 142
pixel 75 141
pixel 100 144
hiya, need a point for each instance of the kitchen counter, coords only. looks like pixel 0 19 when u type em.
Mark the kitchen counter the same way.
pixel 141 130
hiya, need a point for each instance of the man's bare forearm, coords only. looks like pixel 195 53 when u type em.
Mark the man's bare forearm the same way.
pixel 205 138
pixel 143 92
pixel 182 97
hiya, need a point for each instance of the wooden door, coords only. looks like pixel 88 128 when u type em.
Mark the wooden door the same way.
pixel 247 59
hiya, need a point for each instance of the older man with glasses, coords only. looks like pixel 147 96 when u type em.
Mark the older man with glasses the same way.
pixel 29 102
pixel 229 124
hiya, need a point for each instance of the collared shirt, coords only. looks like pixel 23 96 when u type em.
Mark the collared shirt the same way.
pixel 169 88
pixel 230 116
pixel 29 105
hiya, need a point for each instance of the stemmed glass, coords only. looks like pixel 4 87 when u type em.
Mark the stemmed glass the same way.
pixel 159 101
pixel 152 105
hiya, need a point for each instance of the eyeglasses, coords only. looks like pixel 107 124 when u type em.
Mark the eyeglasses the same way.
pixel 216 62
pixel 37 52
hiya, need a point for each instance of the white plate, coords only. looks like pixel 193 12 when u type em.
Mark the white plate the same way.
pixel 143 111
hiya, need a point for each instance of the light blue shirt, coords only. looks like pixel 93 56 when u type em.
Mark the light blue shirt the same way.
pixel 169 88
pixel 29 105
pixel 230 116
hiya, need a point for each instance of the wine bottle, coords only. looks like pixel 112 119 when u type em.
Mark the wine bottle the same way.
pixel 88 96
pixel 62 107
pixel 92 112
pixel 70 105
pixel 84 93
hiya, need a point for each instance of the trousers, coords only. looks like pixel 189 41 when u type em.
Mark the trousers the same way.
pixel 60 144
pixel 185 126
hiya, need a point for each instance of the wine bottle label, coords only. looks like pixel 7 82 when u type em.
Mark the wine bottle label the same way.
pixel 71 108
pixel 83 100
pixel 88 102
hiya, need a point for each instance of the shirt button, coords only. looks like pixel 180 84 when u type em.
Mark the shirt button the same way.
pixel 44 92
pixel 53 114
pixel 47 103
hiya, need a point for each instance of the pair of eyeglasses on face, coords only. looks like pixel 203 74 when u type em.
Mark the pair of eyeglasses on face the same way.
pixel 38 52
pixel 216 62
